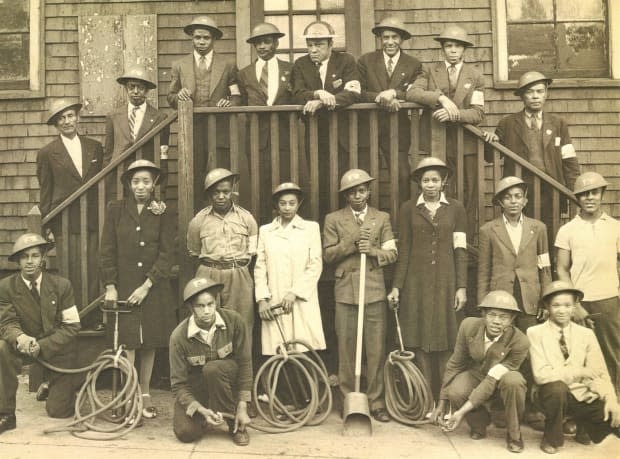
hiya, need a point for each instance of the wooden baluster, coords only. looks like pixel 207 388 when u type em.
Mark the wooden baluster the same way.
pixel 481 188
pixel 274 122
pixel 438 139
pixel 293 126
pixel 101 204
pixel 373 132
pixel 394 166
pixel 119 184
pixel 185 183
pixel 233 126
pixel 353 147
pixel 333 161
pixel 537 201
pixel 555 217
pixel 254 164
pixel 64 217
pixel 212 159
pixel 497 176
pixel 313 138
pixel 414 131
pixel 33 220
pixel 460 164
pixel 83 255
pixel 518 170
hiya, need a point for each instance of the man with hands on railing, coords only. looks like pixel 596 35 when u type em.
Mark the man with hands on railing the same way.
pixel 38 318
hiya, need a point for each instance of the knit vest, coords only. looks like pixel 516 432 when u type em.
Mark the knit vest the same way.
pixel 534 141
pixel 203 86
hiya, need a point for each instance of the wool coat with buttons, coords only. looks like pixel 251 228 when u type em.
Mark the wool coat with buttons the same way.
pixel 136 246
pixel 428 272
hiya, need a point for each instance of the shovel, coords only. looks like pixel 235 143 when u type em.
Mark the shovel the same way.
pixel 356 415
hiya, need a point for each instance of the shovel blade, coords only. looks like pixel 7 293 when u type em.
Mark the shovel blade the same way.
pixel 356 415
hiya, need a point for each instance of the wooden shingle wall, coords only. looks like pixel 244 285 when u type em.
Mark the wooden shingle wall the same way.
pixel 592 113
pixel 22 127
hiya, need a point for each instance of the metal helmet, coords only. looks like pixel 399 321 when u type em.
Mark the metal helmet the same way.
pixel 589 181
pixel 27 241
pixel 319 29
pixel 505 184
pixel 528 79
pixel 499 299
pixel 203 22
pixel 58 106
pixel 559 286
pixel 454 33
pixel 392 23
pixel 264 29
pixel 200 284
pixel 217 175
pixel 141 164
pixel 286 187
pixel 353 178
pixel 138 73
pixel 429 163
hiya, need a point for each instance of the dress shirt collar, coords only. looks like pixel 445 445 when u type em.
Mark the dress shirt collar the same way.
pixel 206 336
pixel 361 214
pixel 488 342
pixel 394 58
pixel 507 223
pixel 296 222
pixel 211 211
pixel 67 141
pixel 458 66
pixel 537 115
pixel 141 108
pixel 442 199
pixel 37 280
pixel 208 58
pixel 581 220
pixel 556 329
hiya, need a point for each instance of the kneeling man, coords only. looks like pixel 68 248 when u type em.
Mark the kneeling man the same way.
pixel 38 318
pixel 210 366
pixel 569 368
pixel 486 360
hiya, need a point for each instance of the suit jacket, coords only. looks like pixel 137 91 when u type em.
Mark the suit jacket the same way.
pixel 499 265
pixel 58 178
pixel 20 313
pixel 223 76
pixel 509 351
pixel 118 138
pixel 340 233
pixel 548 364
pixel 558 155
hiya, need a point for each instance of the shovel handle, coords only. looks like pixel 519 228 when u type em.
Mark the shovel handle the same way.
pixel 360 322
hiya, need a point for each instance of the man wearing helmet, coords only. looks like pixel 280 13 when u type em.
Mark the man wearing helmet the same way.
pixel 38 318
pixel 587 254
pixel 353 230
pixel 570 371
pixel 210 366
pixel 485 363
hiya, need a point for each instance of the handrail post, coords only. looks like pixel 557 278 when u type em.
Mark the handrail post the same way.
pixel 438 139
pixel 33 220
pixel 185 184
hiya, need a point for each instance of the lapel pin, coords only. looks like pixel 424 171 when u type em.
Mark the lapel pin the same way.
pixel 283 78
pixel 548 132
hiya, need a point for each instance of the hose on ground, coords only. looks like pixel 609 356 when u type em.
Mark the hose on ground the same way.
pixel 95 419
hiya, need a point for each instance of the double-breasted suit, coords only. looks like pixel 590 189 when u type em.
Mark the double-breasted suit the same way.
pixel 290 260
pixel 499 266
pixel 474 373
pixel 340 233
pixel 133 247
pixel 54 321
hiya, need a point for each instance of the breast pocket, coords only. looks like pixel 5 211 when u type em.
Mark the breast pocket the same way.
pixel 238 237
pixel 196 360
pixel 224 351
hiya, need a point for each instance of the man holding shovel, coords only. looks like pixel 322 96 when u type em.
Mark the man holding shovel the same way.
pixel 353 237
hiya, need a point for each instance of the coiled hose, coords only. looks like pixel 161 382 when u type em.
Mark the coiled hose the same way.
pixel 128 400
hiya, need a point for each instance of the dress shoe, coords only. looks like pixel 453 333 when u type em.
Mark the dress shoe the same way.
pixel 241 438
pixel 582 436
pixel 547 448
pixel 536 420
pixel 381 415
pixel 514 446
pixel 569 427
pixel 477 434
pixel 7 422
pixel 43 391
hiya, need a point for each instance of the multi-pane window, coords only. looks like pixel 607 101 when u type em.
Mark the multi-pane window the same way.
pixel 14 44
pixel 292 17
pixel 561 38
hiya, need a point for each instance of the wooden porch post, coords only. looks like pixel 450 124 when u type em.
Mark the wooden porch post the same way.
pixel 33 220
pixel 186 185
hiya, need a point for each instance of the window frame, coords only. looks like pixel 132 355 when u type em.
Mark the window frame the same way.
pixel 500 51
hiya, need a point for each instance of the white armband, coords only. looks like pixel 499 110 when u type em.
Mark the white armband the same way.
pixel 543 261
pixel 477 98
pixel 70 315
pixel 498 371
pixel 353 86
pixel 234 90
pixel 568 151
pixel 252 244
pixel 389 245
pixel 459 240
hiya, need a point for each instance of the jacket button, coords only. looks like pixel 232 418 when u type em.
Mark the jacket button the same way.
pixel 141 243
pixel 139 264
pixel 433 262
pixel 137 228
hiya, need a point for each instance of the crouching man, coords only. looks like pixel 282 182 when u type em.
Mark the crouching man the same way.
pixel 38 318
pixel 487 355
pixel 210 366
pixel 569 368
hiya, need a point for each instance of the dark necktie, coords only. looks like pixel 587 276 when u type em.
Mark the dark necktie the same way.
pixel 533 119
pixel 452 75
pixel 264 80
pixel 563 346
pixel 318 69
pixel 132 122
pixel 390 67
pixel 358 218
pixel 35 292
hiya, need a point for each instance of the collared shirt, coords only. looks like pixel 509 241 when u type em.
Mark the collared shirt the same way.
pixel 139 117
pixel 359 215
pixel 567 332
pixel 74 148
pixel 208 58
pixel 202 335
pixel 488 342
pixel 514 232
pixel 272 82
pixel 394 58
pixel 323 70
pixel 593 248
pixel 432 206
pixel 223 237
pixel 533 116
pixel 37 281
pixel 458 67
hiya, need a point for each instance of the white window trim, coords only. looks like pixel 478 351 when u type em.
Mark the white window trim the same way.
pixel 37 58
pixel 500 50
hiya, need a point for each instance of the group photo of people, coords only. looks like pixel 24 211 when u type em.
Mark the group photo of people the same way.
pixel 536 344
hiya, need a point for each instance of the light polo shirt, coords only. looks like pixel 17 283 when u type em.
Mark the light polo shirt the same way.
pixel 594 248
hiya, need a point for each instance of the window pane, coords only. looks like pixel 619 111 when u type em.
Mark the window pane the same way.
pixel 283 56
pixel 300 21
pixel 530 47
pixel 572 10
pixel 14 44
pixel 582 49
pixel 304 5
pixel 276 5
pixel 337 22
pixel 281 22
pixel 521 10
pixel 331 4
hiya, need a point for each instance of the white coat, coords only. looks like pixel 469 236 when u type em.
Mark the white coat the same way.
pixel 290 260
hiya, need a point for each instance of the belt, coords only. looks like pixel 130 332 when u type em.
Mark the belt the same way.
pixel 233 264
